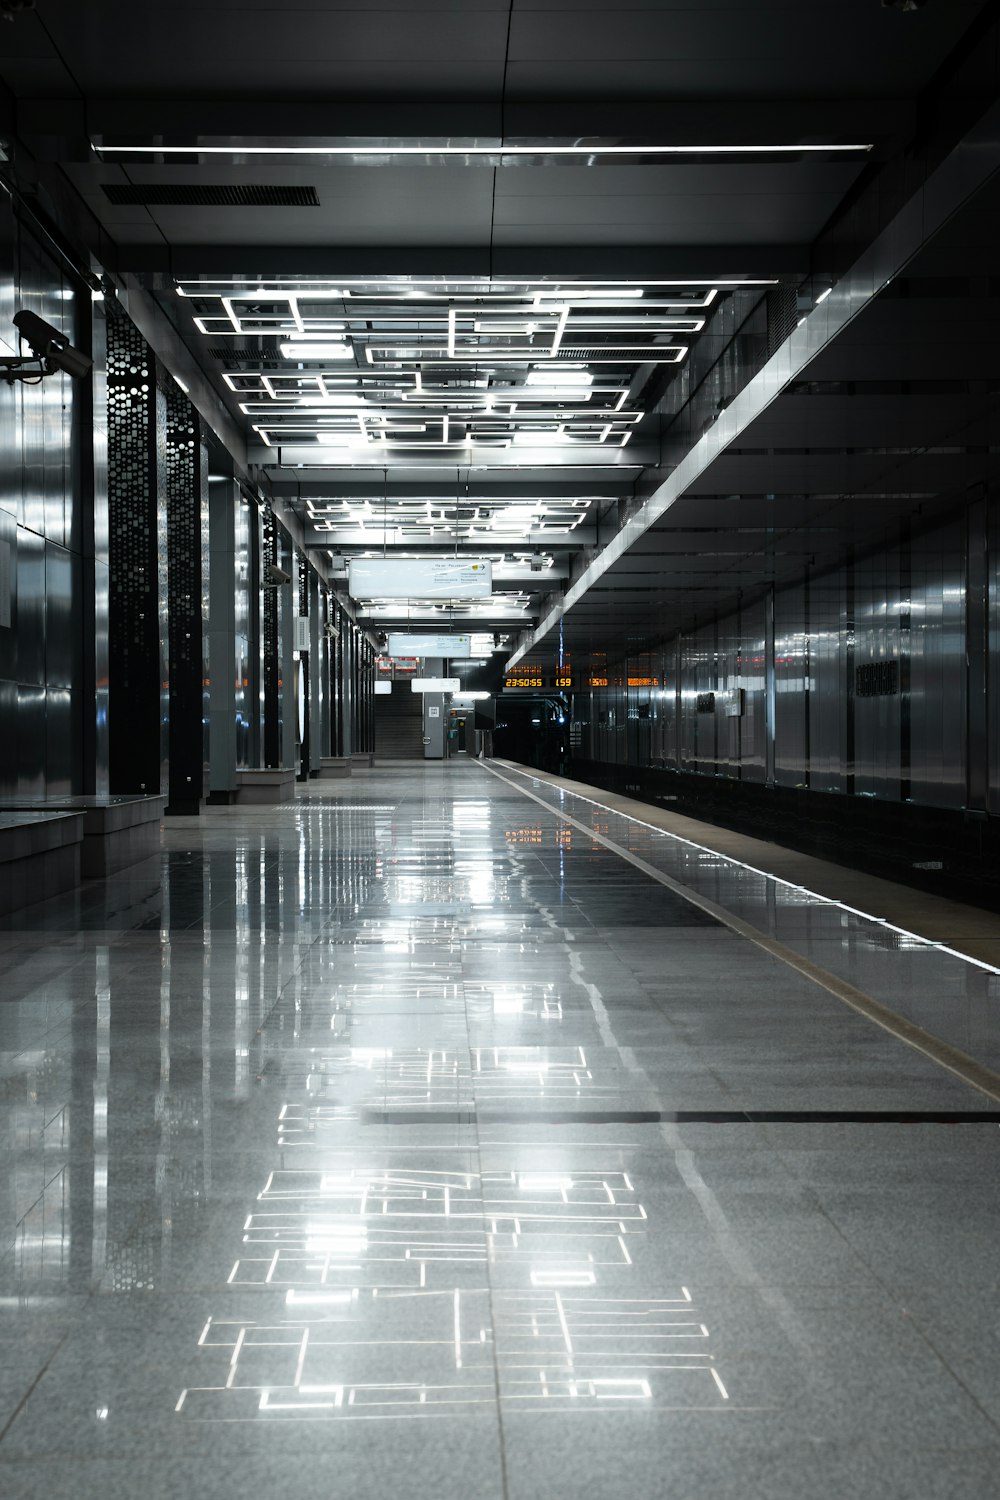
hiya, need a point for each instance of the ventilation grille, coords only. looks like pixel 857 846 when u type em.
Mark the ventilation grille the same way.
pixel 782 316
pixel 877 679
pixel 222 195
pixel 248 356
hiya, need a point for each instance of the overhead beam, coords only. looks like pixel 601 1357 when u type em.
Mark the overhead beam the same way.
pixel 700 264
pixel 537 541
pixel 47 122
pixel 633 456
pixel 968 167
pixel 482 489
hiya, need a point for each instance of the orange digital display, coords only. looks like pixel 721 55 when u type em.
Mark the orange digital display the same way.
pixel 643 682
pixel 597 682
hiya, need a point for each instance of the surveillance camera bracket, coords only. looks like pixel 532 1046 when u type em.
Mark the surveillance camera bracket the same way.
pixel 16 369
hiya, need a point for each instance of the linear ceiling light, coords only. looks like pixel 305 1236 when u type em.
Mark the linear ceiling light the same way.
pixel 541 149
pixel 314 349
pixel 557 376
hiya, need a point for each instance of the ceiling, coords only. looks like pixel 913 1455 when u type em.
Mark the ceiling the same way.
pixel 459 268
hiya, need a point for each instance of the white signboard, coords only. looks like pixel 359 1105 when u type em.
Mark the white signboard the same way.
pixel 435 684
pixel 420 578
pixel 429 645
pixel 383 689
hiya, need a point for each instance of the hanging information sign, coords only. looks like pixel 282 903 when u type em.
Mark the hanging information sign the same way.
pixel 429 645
pixel 420 578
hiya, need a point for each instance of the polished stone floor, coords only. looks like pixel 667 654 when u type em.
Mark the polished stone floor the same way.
pixel 408 1141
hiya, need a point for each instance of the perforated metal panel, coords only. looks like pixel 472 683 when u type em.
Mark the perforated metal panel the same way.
pixel 137 477
pixel 272 660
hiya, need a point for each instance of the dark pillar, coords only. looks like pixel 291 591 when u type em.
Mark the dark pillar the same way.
pixel 303 685
pixel 271 663
pixel 187 604
pixel 138 703
pixel 90 414
pixel 227 653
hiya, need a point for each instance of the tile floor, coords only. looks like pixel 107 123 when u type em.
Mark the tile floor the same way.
pixel 407 1141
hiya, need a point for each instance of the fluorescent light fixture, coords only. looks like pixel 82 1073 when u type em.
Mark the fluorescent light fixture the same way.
pixel 324 403
pixel 571 293
pixel 315 349
pixel 823 295
pixel 184 388
pixel 497 149
pixel 473 697
pixel 555 376
pixel 383 689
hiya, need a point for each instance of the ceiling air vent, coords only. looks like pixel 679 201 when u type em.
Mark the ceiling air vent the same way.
pixel 245 356
pixel 201 195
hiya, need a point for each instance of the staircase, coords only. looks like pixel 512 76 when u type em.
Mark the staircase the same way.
pixel 399 724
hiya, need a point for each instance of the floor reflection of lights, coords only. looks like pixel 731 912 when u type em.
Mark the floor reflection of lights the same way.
pixel 373 1324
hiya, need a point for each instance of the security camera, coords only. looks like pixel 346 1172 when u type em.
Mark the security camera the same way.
pixel 51 349
pixel 275 576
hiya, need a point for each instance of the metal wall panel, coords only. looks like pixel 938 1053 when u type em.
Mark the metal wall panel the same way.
pixel 827 717
pixel 46 530
pixel 791 683
pixel 29 606
pixel 753 679
pixel 937 661
pixel 895 732
pixel 877 641
pixel 993 661
pixel 9 754
pixel 728 671
pixel 31 755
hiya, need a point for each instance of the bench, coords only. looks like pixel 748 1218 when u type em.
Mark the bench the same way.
pixel 332 767
pixel 265 784
pixel 117 831
pixel 39 856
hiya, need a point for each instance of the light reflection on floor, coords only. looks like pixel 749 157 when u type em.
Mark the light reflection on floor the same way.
pixel 407 1126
